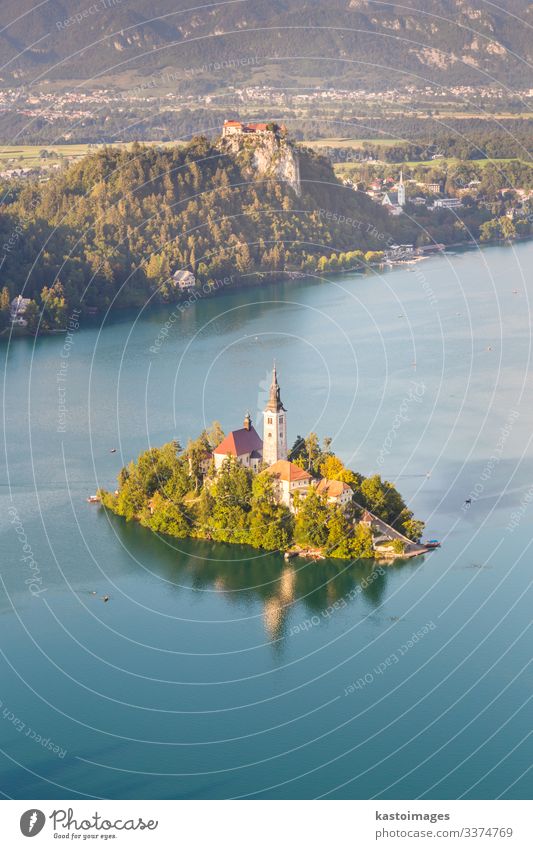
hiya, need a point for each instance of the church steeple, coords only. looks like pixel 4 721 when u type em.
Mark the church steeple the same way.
pixel 274 401
pixel 275 425
pixel 401 191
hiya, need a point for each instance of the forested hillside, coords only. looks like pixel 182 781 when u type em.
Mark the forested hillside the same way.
pixel 112 229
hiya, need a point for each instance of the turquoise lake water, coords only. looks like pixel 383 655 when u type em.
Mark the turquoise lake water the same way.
pixel 217 671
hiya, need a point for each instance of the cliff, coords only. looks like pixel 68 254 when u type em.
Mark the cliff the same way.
pixel 268 155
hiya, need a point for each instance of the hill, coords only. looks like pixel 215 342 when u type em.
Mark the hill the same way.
pixel 339 42
pixel 111 230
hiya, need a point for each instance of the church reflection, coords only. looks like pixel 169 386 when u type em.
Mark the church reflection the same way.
pixel 247 576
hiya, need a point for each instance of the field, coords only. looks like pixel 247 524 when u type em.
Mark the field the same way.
pixel 31 156
pixel 355 144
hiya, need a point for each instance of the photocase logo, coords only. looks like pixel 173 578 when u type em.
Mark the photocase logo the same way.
pixel 32 822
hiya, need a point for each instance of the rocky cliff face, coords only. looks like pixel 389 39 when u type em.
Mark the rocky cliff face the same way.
pixel 268 156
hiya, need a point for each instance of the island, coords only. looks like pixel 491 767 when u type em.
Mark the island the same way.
pixel 244 489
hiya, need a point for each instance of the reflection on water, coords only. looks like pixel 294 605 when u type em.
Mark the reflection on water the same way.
pixel 242 574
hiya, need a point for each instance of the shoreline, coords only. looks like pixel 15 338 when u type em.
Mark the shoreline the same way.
pixel 18 332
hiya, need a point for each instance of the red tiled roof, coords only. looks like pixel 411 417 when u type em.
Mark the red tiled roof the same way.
pixel 332 488
pixel 240 442
pixel 286 471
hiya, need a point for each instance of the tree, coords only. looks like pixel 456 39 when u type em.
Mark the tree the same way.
pixel 340 533
pixel 167 517
pixel 271 524
pixel 413 528
pixel 311 524
pixel 4 308
pixel 362 545
pixel 232 493
pixel 332 467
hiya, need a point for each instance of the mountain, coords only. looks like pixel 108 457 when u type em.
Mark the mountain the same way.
pixel 290 42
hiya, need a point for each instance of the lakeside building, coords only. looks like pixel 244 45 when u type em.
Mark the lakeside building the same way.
pixel 274 425
pixel 336 492
pixel 18 309
pixel 184 279
pixel 244 445
pixel 289 479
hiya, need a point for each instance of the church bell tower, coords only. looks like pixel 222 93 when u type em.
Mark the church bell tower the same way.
pixel 275 426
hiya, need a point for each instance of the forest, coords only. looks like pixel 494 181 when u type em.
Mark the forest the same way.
pixel 110 231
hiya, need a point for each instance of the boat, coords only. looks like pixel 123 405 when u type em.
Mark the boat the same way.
pixel 432 543
pixel 93 499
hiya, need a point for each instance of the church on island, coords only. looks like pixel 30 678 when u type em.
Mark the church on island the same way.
pixel 270 454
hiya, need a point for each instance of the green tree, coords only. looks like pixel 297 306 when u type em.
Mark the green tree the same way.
pixel 271 524
pixel 311 524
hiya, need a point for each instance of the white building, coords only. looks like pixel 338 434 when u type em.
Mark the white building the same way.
pixel 184 279
pixel 18 309
pixel 274 426
pixel 289 479
pixel 336 492
pixel 447 203
pixel 401 191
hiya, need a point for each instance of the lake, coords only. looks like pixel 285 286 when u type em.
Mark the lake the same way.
pixel 217 671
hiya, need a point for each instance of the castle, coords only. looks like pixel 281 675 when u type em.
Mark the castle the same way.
pixel 240 128
pixel 270 453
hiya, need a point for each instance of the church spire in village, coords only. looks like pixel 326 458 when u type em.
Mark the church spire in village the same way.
pixel 275 425
pixel 401 190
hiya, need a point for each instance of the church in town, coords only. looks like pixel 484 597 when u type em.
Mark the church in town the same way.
pixel 270 454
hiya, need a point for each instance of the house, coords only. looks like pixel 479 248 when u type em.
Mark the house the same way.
pixel 435 188
pixel 289 479
pixel 366 519
pixel 447 203
pixel 184 279
pixel 245 445
pixel 204 462
pixel 336 492
pixel 18 308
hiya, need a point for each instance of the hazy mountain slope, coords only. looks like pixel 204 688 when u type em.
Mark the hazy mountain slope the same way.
pixel 337 41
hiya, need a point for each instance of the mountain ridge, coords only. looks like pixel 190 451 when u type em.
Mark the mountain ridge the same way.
pixel 438 40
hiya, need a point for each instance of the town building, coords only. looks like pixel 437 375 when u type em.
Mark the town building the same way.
pixel 336 492
pixel 18 309
pixel 289 479
pixel 274 425
pixel 244 445
pixel 395 201
pixel 184 279
pixel 447 203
